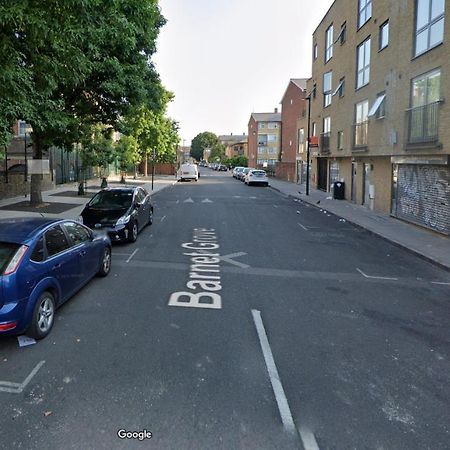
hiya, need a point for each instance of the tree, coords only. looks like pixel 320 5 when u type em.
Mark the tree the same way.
pixel 202 141
pixel 127 153
pixel 69 65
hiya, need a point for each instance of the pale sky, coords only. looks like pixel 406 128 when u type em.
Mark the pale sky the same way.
pixel 225 59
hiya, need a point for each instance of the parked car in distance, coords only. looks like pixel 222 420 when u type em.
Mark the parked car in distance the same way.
pixel 244 172
pixel 188 171
pixel 122 212
pixel 43 262
pixel 222 168
pixel 256 176
pixel 236 171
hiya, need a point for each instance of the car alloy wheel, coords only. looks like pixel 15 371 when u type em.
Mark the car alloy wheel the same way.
pixel 134 231
pixel 106 263
pixel 43 316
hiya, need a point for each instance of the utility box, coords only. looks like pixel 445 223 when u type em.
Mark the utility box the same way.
pixel 339 190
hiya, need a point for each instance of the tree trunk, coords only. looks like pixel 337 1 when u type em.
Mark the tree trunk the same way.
pixel 36 178
pixel 145 165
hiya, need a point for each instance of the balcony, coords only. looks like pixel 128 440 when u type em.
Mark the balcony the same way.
pixel 325 142
pixel 423 124
pixel 360 133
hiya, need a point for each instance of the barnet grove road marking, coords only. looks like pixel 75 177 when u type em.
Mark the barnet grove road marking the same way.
pixel 204 272
pixel 17 388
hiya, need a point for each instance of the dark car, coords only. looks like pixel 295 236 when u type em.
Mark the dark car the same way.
pixel 122 212
pixel 222 168
pixel 43 262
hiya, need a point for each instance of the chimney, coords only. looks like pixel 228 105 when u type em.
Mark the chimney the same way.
pixel 276 110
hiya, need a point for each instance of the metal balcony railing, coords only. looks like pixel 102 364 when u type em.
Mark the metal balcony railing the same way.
pixel 325 142
pixel 423 123
pixel 360 134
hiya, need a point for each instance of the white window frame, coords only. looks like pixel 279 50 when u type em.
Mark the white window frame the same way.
pixel 329 43
pixel 376 110
pixel 364 12
pixel 384 35
pixel 363 63
pixel 327 85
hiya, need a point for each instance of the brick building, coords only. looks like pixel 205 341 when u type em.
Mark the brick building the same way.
pixel 381 72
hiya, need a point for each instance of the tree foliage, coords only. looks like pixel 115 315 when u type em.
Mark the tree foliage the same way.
pixel 68 65
pixel 205 140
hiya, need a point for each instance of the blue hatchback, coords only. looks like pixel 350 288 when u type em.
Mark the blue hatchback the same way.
pixel 43 262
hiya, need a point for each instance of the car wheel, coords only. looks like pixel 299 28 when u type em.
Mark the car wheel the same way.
pixel 150 216
pixel 105 266
pixel 133 233
pixel 43 316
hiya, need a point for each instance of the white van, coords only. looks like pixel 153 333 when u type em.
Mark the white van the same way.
pixel 188 172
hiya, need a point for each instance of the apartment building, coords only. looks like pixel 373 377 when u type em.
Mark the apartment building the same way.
pixel 293 106
pixel 264 139
pixel 235 144
pixel 380 77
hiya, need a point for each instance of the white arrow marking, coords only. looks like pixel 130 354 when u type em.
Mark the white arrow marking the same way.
pixel 189 200
pixel 228 259
pixel 207 200
pixel 375 278
pixel 17 388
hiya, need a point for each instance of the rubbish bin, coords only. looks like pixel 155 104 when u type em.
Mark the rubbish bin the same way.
pixel 339 190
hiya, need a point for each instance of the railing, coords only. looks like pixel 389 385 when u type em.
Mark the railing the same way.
pixel 423 123
pixel 360 134
pixel 325 142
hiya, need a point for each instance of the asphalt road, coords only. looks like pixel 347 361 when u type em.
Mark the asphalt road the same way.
pixel 317 335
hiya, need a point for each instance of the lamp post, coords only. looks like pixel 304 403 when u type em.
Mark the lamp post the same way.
pixel 308 143
pixel 153 166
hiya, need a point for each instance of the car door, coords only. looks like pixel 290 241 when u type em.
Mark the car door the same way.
pixel 88 252
pixel 62 261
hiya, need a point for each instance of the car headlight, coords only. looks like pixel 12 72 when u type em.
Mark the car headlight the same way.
pixel 123 220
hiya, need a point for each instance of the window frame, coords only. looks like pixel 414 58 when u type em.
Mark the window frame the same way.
pixel 363 9
pixel 427 27
pixel 365 66
pixel 380 36
pixel 329 43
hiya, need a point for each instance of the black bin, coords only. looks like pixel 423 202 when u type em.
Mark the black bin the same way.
pixel 339 190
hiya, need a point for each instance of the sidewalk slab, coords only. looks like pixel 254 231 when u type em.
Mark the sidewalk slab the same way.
pixel 427 244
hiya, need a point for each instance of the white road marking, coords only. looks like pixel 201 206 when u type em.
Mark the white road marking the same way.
pixel 236 196
pixel 275 206
pixel 303 226
pixel 253 198
pixel 298 212
pixel 440 283
pixel 131 256
pixel 207 200
pixel 308 439
pixel 375 278
pixel 162 218
pixel 17 388
pixel 121 254
pixel 189 200
pixel 178 201
pixel 280 396
pixel 228 259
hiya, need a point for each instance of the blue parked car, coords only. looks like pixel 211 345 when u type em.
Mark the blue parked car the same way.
pixel 43 262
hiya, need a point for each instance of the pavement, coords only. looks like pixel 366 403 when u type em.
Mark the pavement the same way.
pixel 434 247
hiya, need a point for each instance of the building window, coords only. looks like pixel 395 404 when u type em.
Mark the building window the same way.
pixel 361 123
pixel 340 88
pixel 262 139
pixel 314 129
pixel 261 125
pixel 301 140
pixel 378 109
pixel 363 55
pixel 22 128
pixel 272 125
pixel 315 52
pixel 342 36
pixel 429 24
pixel 314 90
pixel 329 43
pixel 327 83
pixel 272 138
pixel 364 12
pixel 424 112
pixel 325 136
pixel 384 35
pixel 340 140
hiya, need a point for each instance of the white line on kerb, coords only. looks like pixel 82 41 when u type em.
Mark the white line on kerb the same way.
pixel 303 226
pixel 17 388
pixel 129 259
pixel 283 406
pixel 375 278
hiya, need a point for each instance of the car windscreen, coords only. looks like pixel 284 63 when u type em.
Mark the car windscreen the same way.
pixel 112 200
pixel 7 251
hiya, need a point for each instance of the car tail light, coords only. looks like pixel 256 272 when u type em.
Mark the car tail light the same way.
pixel 8 326
pixel 15 261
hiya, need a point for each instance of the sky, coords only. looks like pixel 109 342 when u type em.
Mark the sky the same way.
pixel 225 59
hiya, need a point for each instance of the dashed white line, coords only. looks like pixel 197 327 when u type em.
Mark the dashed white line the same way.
pixel 308 439
pixel 275 206
pixel 17 388
pixel 280 396
pixel 303 226
pixel 375 278
pixel 162 218
pixel 131 256
pixel 440 283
